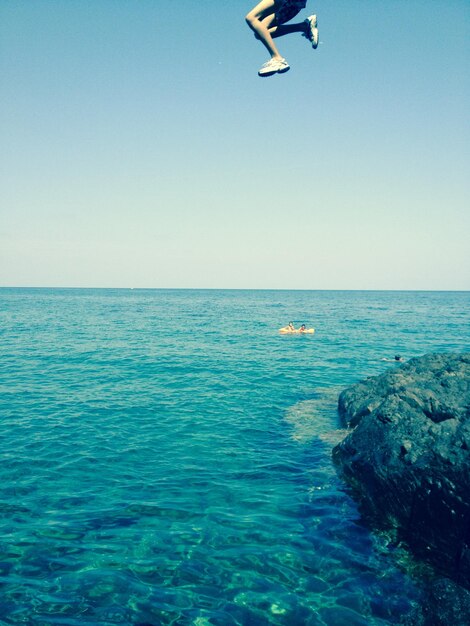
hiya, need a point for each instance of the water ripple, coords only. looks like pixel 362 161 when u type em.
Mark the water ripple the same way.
pixel 183 476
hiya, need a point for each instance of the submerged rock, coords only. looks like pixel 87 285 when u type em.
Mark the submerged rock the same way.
pixel 444 604
pixel 408 456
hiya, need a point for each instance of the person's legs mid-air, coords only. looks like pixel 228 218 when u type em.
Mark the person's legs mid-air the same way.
pixel 308 28
pixel 267 20
pixel 260 19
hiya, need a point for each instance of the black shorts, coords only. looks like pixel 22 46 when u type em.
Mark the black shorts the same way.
pixel 289 9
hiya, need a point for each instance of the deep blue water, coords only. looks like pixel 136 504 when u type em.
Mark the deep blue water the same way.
pixel 166 455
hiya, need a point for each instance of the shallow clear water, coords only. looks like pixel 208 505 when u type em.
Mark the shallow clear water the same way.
pixel 166 455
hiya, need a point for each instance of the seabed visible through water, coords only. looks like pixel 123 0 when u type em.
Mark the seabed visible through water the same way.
pixel 166 455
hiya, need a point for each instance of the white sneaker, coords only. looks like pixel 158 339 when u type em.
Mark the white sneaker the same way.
pixel 274 66
pixel 312 30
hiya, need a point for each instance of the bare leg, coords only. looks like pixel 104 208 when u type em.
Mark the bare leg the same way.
pixel 283 29
pixel 286 29
pixel 259 20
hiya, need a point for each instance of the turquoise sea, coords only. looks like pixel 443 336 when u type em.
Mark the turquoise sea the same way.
pixel 166 455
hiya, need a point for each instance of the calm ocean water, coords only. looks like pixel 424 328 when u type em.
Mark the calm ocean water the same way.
pixel 165 455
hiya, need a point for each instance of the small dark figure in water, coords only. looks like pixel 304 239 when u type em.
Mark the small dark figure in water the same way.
pixel 398 358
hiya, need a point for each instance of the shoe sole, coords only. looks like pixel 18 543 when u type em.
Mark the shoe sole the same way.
pixel 313 23
pixel 315 40
pixel 282 71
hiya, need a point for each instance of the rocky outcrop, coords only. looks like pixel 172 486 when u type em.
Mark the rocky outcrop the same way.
pixel 444 603
pixel 408 456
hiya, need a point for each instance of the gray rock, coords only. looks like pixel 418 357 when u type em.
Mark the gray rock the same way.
pixel 408 456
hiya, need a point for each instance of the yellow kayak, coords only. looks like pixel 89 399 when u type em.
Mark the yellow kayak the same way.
pixel 308 331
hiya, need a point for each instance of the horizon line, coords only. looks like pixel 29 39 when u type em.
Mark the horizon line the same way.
pixel 233 289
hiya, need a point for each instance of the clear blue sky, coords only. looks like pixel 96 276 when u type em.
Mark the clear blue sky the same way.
pixel 140 148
